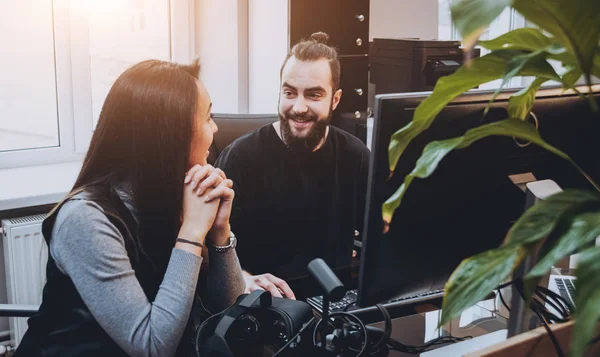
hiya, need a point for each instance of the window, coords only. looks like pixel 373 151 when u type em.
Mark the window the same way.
pixel 27 74
pixel 508 20
pixel 63 56
pixel 122 33
pixel 35 100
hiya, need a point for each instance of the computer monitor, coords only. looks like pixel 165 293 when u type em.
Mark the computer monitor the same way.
pixel 469 203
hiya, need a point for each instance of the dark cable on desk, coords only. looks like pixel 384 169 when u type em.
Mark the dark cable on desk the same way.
pixel 502 300
pixel 307 325
pixel 398 346
pixel 382 344
pixel 509 283
pixel 559 351
pixel 566 308
pixel 346 316
pixel 535 307
pixel 560 304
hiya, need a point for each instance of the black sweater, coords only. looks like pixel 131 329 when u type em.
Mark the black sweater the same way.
pixel 293 207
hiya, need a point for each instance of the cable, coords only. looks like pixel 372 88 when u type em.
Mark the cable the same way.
pixel 559 351
pixel 534 306
pixel 347 316
pixel 387 332
pixel 199 332
pixel 559 299
pixel 397 346
pixel 509 283
pixel 295 337
pixel 502 300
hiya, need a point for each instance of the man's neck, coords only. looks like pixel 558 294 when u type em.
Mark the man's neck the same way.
pixel 277 127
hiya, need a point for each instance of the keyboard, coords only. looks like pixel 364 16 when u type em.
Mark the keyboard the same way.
pixel 348 302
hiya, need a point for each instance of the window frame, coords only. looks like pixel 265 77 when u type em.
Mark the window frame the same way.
pixel 73 79
pixel 71 133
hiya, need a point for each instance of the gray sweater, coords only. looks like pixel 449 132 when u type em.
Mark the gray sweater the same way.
pixel 91 251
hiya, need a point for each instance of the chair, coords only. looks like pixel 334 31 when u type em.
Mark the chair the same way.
pixel 232 126
pixel 15 310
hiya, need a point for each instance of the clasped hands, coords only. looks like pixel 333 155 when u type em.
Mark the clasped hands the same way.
pixel 207 201
pixel 208 198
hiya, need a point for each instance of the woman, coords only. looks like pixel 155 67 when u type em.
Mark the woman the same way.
pixel 126 245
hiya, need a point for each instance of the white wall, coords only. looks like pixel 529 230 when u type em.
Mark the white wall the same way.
pixel 221 50
pixel 246 79
pixel 404 18
pixel 267 44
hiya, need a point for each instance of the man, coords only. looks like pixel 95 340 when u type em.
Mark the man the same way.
pixel 300 183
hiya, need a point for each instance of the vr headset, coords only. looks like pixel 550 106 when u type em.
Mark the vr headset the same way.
pixel 256 325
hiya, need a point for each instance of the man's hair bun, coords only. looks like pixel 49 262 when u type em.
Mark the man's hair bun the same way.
pixel 320 37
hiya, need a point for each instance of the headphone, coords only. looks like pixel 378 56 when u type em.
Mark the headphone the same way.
pixel 349 333
pixel 256 324
pixel 212 342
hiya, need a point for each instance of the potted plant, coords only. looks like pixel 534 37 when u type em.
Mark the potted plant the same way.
pixel 568 33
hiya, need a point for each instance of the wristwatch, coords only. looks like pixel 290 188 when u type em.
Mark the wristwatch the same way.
pixel 224 248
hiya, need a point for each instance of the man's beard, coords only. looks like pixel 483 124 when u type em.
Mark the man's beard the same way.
pixel 314 137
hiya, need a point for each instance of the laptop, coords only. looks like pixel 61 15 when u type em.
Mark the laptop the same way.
pixel 563 285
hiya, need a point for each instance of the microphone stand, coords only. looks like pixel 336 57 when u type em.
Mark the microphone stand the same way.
pixel 324 323
pixel 333 290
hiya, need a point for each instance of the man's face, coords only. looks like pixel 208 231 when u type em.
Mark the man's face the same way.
pixel 306 102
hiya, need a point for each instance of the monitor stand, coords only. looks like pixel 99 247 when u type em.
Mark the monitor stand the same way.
pixel 522 319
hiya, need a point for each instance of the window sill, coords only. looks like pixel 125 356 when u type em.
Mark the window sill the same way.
pixel 36 185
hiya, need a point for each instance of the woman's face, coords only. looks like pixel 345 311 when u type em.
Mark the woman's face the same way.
pixel 204 129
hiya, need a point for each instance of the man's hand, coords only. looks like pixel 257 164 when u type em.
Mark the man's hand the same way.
pixel 269 283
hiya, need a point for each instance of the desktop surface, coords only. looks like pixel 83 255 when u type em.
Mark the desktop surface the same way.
pixel 485 327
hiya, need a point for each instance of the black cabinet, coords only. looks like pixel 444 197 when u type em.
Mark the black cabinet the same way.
pixel 347 24
pixel 354 83
pixel 345 21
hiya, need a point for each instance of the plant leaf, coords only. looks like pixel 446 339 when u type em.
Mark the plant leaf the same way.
pixel 541 219
pixel 568 59
pixel 435 151
pixel 571 76
pixel 472 17
pixel 596 66
pixel 587 300
pixel 529 39
pixel 520 103
pixel 482 70
pixel 573 23
pixel 514 67
pixel 475 277
pixel 579 230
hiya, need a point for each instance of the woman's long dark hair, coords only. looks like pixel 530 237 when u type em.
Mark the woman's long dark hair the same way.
pixel 143 137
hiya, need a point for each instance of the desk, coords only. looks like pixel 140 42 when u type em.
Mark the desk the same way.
pixel 419 328
pixel 415 325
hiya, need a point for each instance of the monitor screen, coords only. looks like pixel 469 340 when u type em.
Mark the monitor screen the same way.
pixel 468 205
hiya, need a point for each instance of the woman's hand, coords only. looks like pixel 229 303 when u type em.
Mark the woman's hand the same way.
pixel 268 282
pixel 198 215
pixel 204 178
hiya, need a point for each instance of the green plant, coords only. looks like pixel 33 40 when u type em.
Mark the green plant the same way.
pixel 569 34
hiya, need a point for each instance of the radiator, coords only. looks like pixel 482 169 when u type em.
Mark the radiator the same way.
pixel 25 258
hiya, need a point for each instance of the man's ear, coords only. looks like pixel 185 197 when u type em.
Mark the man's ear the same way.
pixel 337 96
